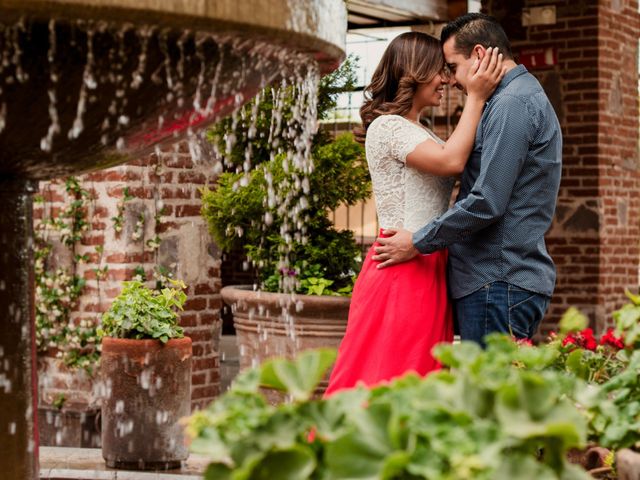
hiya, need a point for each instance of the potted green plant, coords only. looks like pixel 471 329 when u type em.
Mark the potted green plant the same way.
pixel 146 370
pixel 320 271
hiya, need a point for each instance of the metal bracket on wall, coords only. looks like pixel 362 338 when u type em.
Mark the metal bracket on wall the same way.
pixel 539 16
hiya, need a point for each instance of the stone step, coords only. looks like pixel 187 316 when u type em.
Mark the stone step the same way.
pixel 64 463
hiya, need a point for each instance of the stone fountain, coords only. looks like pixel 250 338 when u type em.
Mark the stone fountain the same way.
pixel 85 84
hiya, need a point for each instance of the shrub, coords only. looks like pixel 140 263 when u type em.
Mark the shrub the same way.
pixel 241 214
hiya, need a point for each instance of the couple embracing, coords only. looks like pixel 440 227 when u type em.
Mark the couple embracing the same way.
pixel 482 262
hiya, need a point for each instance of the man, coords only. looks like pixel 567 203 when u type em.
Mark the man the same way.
pixel 501 277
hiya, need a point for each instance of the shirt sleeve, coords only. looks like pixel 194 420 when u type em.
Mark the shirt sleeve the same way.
pixel 397 135
pixel 507 134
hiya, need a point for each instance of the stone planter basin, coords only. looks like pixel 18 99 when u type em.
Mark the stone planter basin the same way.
pixel 281 325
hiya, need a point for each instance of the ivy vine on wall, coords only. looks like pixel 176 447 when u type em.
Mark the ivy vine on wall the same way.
pixel 58 286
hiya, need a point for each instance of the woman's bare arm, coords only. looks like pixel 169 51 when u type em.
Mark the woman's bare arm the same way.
pixel 450 158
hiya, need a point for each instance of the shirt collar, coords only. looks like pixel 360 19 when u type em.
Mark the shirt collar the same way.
pixel 510 76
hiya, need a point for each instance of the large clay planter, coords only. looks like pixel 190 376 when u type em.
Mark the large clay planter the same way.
pixel 274 324
pixel 147 391
pixel 628 464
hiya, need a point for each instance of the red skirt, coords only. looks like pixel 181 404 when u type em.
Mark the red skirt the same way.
pixel 396 317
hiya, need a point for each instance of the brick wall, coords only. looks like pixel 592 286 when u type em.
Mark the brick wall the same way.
pixel 594 88
pixel 619 30
pixel 165 186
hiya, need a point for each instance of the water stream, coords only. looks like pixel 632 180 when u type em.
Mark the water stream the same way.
pixel 113 91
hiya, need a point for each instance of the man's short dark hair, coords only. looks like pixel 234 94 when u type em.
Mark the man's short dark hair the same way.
pixel 476 29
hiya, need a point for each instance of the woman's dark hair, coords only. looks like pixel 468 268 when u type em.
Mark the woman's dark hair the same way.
pixel 410 59
pixel 476 29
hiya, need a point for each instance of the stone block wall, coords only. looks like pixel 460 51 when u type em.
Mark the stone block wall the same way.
pixel 594 89
pixel 164 189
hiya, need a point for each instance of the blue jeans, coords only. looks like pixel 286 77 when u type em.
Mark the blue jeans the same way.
pixel 500 307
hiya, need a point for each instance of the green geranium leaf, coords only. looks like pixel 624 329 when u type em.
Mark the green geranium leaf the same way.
pixel 328 415
pixel 298 377
pixel 573 320
pixel 362 452
pixel 218 471
pixel 634 298
pixel 523 467
pixel 563 423
pixel 210 444
pixel 456 355
pixel 395 466
pixel 576 365
pixel 247 381
pixel 295 463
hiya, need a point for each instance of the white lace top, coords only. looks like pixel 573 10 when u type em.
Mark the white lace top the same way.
pixel 405 197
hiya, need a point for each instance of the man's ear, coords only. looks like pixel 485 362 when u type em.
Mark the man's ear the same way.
pixel 479 52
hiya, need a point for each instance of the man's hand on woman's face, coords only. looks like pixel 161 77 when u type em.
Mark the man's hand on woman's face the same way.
pixel 396 247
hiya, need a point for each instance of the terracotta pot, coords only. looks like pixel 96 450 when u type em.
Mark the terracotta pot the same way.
pixel 275 324
pixel 148 390
pixel 590 458
pixel 628 464
pixel 75 426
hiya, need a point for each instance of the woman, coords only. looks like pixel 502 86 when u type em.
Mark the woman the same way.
pixel 398 314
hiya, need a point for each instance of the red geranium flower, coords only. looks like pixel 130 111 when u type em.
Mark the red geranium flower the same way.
pixel 610 339
pixel 583 339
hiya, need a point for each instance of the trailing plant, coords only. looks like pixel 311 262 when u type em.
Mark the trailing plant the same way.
pixel 139 312
pixel 58 286
pixel 118 219
pixel 242 212
pixel 59 401
pixel 483 419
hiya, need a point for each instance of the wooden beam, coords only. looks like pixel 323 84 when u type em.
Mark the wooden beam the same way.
pixel 418 10
pixel 457 8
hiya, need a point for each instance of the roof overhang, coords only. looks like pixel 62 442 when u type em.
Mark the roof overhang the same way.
pixel 395 13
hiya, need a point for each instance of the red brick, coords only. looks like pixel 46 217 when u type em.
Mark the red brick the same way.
pixel 183 192
pixel 190 178
pixel 188 210
pixel 209 391
pixel 203 289
pixel 204 363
